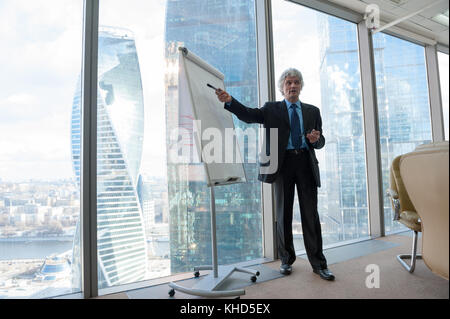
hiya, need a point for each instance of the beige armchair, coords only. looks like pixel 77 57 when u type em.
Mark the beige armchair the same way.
pixel 419 191
pixel 425 174
pixel 404 212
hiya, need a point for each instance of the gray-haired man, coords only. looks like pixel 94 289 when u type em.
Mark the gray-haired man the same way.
pixel 299 133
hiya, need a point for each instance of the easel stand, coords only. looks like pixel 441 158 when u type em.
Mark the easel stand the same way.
pixel 209 286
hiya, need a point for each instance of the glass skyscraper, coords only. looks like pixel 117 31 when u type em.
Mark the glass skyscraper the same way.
pixel 345 188
pixel 403 115
pixel 403 104
pixel 121 245
pixel 403 110
pixel 222 33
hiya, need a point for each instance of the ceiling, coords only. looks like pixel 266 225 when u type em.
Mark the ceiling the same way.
pixel 422 23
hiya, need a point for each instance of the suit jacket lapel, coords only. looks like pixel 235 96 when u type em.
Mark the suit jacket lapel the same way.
pixel 285 113
pixel 306 117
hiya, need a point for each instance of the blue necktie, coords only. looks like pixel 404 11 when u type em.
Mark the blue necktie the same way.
pixel 295 128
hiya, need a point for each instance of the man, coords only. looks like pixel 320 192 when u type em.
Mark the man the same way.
pixel 299 133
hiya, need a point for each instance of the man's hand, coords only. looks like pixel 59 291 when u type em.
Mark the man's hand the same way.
pixel 313 136
pixel 223 96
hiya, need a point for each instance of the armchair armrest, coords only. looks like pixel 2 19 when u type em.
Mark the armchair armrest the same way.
pixel 391 193
pixel 395 202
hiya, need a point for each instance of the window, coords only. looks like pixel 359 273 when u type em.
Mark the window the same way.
pixel 223 33
pixel 325 50
pixel 403 105
pixel 154 215
pixel 39 195
pixel 443 74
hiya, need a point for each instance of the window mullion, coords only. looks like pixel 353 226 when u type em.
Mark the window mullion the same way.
pixel 434 87
pixel 370 107
pixel 266 93
pixel 89 150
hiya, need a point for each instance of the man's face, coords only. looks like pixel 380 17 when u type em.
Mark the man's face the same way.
pixel 291 88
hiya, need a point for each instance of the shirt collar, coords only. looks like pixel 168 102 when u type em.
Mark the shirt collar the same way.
pixel 288 104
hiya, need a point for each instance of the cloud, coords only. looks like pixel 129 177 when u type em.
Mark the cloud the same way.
pixel 43 44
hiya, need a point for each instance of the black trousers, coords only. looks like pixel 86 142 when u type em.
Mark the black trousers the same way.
pixel 296 171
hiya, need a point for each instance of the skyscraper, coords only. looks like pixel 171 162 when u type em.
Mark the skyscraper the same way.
pixel 403 116
pixel 121 245
pixel 345 188
pixel 223 33
pixel 403 104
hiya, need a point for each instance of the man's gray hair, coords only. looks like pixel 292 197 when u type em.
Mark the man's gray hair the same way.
pixel 290 72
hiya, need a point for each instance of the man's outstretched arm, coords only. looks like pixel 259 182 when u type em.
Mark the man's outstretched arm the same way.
pixel 246 114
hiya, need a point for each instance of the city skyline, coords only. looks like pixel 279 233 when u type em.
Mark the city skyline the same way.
pixel 42 116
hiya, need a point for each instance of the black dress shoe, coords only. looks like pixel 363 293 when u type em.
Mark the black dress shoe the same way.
pixel 285 269
pixel 324 274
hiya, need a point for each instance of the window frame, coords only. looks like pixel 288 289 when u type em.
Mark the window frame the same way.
pixel 88 176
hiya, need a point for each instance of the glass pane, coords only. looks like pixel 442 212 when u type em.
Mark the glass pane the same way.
pixel 153 215
pixel 223 33
pixel 443 74
pixel 403 108
pixel 325 50
pixel 39 195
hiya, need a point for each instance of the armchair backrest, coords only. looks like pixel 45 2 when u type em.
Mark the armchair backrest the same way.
pixel 425 174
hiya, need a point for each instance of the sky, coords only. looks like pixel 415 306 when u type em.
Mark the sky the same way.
pixel 297 48
pixel 44 50
pixel 41 61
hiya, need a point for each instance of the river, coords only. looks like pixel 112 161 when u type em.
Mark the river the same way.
pixel 32 248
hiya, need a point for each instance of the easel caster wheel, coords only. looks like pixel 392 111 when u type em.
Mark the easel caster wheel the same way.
pixel 253 278
pixel 172 292
pixel 257 273
pixel 197 274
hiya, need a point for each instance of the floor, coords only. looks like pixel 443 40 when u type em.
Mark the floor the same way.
pixel 365 270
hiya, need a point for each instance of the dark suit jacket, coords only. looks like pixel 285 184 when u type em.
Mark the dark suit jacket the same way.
pixel 275 115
